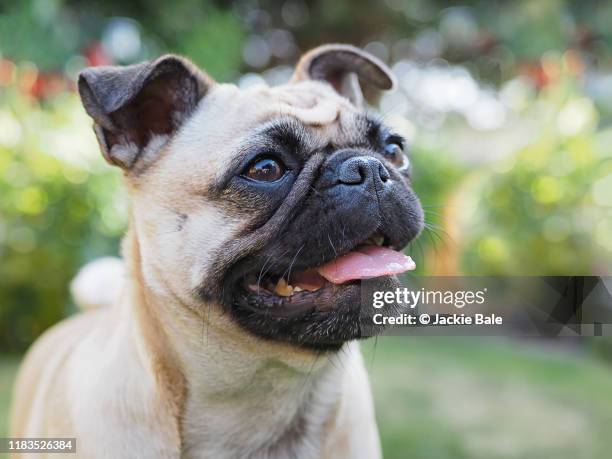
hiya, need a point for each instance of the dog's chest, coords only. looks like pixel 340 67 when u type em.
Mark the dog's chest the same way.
pixel 269 420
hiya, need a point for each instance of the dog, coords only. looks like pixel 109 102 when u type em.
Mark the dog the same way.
pixel 255 214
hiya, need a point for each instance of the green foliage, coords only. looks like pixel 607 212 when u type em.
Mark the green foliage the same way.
pixel 530 29
pixel 60 206
pixel 216 45
pixel 25 26
pixel 435 177
pixel 53 33
pixel 544 210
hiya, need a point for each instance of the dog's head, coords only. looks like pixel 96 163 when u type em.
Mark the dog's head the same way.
pixel 271 202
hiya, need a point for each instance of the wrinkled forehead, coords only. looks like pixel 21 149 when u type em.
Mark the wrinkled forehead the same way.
pixel 312 109
pixel 313 104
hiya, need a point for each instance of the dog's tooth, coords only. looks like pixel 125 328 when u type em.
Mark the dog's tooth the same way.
pixel 283 288
pixel 297 289
pixel 379 240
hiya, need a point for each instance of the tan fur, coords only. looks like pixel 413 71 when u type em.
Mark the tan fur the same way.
pixel 161 375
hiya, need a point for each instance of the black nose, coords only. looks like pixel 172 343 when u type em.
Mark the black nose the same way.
pixel 358 170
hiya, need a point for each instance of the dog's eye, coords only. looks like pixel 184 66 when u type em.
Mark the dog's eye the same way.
pixel 394 152
pixel 265 169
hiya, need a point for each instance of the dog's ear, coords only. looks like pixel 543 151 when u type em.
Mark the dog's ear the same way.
pixel 137 108
pixel 345 67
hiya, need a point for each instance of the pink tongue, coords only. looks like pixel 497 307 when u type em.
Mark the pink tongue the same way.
pixel 366 262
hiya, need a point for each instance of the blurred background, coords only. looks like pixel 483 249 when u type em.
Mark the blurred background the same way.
pixel 508 106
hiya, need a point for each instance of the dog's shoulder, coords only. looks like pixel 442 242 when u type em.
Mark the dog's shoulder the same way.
pixel 44 361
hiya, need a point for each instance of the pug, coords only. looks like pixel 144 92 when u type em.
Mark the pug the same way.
pixel 256 214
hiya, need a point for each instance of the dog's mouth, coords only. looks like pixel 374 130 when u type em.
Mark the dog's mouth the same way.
pixel 317 306
pixel 313 287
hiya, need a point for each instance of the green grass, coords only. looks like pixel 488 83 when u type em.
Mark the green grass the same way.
pixel 491 399
pixel 476 398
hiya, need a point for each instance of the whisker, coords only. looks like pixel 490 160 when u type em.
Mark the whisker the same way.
pixel 288 271
pixel 332 245
pixel 262 273
pixel 438 232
